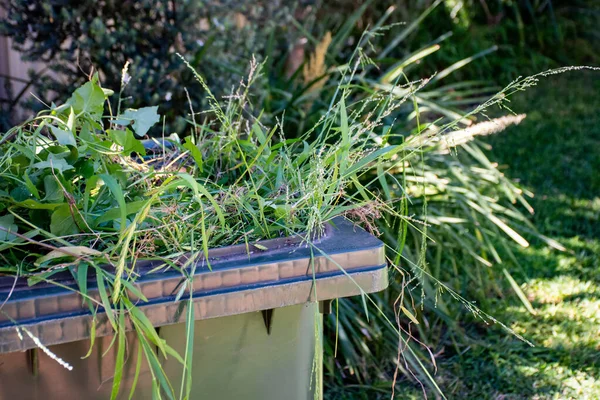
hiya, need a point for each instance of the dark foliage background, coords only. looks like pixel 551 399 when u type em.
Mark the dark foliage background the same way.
pixel 76 38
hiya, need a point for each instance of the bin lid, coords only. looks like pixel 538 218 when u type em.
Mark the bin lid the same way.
pixel 345 261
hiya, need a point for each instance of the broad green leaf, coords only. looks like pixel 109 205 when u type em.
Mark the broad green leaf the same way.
pixel 54 192
pixel 30 186
pixel 63 137
pixel 7 225
pixel 19 193
pixel 89 99
pixel 62 222
pixel 126 140
pixel 143 119
pixel 54 163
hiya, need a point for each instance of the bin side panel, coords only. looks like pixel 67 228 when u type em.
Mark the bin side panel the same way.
pixel 234 357
pixel 34 375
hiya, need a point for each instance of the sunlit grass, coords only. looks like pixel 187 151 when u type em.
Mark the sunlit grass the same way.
pixel 552 153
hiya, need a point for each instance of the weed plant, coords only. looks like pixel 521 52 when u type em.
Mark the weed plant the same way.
pixel 80 194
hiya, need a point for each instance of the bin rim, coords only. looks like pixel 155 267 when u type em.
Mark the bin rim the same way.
pixel 290 272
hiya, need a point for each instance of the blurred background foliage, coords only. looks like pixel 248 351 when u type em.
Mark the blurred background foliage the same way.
pixel 476 218
pixel 76 38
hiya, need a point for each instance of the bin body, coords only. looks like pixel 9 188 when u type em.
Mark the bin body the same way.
pixel 234 357
pixel 238 353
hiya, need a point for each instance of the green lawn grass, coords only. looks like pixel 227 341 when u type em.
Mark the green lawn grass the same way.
pixel 555 153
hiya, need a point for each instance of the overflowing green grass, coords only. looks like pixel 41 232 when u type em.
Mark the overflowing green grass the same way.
pixel 555 152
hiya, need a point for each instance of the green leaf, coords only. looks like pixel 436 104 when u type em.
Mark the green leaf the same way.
pixel 143 119
pixel 398 68
pixel 20 193
pixel 58 164
pixel 82 272
pixel 89 99
pixel 120 360
pixel 459 64
pixel 62 222
pixel 20 240
pixel 126 140
pixel 135 291
pixel 196 154
pixel 145 326
pixel 515 286
pixel 363 162
pixel 7 223
pixel 104 298
pixel 158 374
pixel 54 192
pixel 30 186
pixel 71 120
pixel 34 205
pixel 189 348
pixel 68 251
pixel 189 181
pixel 138 368
pixel 117 192
pixel 63 137
pixel 116 212
pixel 92 338
pixel 345 131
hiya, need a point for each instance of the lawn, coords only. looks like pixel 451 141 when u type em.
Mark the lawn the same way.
pixel 555 153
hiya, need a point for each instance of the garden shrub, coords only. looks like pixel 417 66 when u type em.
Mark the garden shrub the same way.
pixel 77 38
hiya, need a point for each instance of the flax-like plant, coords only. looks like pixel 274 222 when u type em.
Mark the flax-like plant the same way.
pixel 464 217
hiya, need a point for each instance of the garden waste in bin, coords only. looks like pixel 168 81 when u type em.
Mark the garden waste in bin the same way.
pixel 257 334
